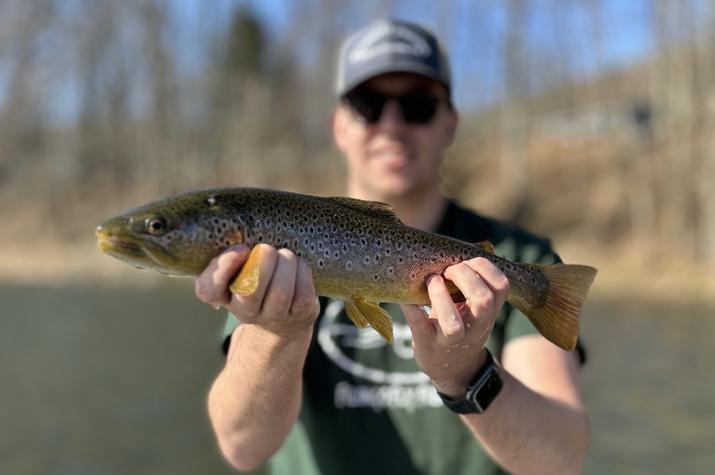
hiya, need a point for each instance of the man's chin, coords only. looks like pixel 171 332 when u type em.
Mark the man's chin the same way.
pixel 390 190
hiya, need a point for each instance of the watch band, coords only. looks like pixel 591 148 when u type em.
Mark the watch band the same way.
pixel 481 391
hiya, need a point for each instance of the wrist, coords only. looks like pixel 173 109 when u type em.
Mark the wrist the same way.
pixel 483 388
pixel 457 387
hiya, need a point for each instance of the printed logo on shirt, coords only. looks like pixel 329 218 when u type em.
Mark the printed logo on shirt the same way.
pixel 407 390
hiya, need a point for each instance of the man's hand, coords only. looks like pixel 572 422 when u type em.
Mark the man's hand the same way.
pixel 284 302
pixel 449 342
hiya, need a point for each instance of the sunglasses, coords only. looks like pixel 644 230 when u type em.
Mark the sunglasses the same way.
pixel 416 107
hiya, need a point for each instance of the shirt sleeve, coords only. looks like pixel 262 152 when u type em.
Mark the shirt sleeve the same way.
pixel 228 328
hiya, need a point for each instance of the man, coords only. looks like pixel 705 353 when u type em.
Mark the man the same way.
pixel 302 383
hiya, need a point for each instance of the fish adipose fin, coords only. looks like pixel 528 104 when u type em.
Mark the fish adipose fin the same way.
pixel 486 246
pixel 363 313
pixel 247 281
pixel 558 318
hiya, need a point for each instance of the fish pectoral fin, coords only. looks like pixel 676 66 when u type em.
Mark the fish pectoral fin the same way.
pixel 248 279
pixel 363 313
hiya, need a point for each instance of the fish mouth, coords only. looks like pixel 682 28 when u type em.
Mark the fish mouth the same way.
pixel 116 245
pixel 137 252
pixel 112 244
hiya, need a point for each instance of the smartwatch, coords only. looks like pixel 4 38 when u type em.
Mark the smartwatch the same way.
pixel 481 391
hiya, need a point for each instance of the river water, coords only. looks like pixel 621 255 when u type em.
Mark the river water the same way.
pixel 111 380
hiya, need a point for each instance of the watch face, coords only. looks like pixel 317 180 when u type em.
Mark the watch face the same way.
pixel 486 390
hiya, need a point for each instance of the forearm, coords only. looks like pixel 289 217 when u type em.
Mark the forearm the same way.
pixel 255 400
pixel 527 432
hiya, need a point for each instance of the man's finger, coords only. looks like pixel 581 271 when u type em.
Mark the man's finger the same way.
pixel 212 284
pixel 304 294
pixel 279 294
pixel 451 327
pixel 493 277
pixel 423 330
pixel 480 297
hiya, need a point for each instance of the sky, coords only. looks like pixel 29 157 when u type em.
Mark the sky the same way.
pixel 472 31
pixel 625 36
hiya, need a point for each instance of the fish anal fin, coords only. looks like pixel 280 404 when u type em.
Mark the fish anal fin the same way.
pixel 363 313
pixel 248 279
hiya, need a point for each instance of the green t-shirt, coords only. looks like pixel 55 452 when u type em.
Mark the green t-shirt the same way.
pixel 367 408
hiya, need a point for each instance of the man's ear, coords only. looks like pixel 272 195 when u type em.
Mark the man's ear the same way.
pixel 450 127
pixel 337 125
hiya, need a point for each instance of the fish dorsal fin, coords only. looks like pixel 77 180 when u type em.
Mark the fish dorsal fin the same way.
pixel 373 209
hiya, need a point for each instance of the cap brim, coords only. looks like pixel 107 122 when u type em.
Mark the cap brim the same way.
pixel 388 67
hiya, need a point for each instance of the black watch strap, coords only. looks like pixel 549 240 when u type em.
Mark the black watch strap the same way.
pixel 481 391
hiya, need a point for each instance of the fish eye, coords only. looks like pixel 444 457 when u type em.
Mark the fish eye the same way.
pixel 155 225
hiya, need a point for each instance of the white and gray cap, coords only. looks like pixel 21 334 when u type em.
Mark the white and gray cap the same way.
pixel 390 46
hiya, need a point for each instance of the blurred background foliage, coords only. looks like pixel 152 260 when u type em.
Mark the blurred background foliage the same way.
pixel 104 104
pixel 590 121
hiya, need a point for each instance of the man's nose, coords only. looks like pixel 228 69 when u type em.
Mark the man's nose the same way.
pixel 391 116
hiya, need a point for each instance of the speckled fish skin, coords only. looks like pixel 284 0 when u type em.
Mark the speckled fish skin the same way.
pixel 358 250
pixel 354 248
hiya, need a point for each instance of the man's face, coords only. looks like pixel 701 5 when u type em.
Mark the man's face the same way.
pixel 391 156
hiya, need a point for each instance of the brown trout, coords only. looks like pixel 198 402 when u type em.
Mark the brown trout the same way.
pixel 359 252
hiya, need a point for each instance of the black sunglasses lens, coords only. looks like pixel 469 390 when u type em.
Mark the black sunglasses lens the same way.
pixel 368 105
pixel 418 108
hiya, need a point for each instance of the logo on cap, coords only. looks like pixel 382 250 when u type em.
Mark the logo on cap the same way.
pixel 389 39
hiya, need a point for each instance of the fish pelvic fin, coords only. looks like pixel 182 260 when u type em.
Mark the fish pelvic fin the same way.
pixel 364 313
pixel 558 318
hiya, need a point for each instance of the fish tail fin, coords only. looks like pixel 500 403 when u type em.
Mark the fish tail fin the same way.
pixel 558 318
pixel 363 313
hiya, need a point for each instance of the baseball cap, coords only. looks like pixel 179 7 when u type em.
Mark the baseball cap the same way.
pixel 390 46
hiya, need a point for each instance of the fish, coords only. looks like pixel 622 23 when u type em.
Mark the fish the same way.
pixel 359 252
